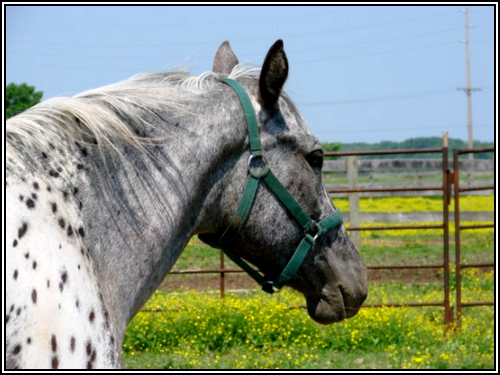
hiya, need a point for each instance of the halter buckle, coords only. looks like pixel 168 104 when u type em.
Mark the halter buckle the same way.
pixel 313 230
pixel 262 170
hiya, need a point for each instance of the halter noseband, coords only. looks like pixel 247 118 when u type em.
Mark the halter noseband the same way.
pixel 312 229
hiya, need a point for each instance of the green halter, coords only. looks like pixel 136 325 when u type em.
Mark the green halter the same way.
pixel 312 229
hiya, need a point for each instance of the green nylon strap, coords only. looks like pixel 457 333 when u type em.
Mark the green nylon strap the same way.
pixel 248 110
pixel 294 263
pixel 240 217
pixel 330 222
pixel 245 206
pixel 288 201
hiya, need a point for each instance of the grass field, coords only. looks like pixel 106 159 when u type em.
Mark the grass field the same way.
pixel 250 330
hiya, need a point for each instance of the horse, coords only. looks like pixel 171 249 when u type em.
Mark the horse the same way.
pixel 105 189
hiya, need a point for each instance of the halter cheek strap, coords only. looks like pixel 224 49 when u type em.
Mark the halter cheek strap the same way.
pixel 259 171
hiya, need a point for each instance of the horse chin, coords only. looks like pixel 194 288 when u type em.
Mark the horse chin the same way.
pixel 328 309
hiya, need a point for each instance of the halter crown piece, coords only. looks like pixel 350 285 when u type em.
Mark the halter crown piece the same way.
pixel 312 229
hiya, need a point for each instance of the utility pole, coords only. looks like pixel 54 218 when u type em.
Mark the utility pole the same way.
pixel 468 89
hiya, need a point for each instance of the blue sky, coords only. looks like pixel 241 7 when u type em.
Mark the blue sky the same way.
pixel 357 73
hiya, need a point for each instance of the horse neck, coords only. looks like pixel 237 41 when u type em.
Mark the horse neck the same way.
pixel 135 236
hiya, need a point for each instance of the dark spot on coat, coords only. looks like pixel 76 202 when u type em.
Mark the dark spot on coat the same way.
pixel 80 166
pixel 52 146
pixel 55 362
pixel 77 304
pixel 62 223
pixel 53 206
pixel 88 348
pixel 28 340
pixel 44 155
pixel 34 265
pixel 17 349
pixel 65 195
pixel 27 255
pixel 33 296
pixel 22 231
pixel 75 191
pixel 81 232
pixel 64 277
pixel 30 203
pixel 18 311
pixel 80 205
pixel 48 283
pixel 21 197
pixel 53 343
pixel 14 244
pixel 15 274
pixel 92 316
pixel 34 196
pixel 61 287
pixel 92 357
pixel 36 186
pixel 70 230
pixel 84 152
pixel 72 344
pixel 106 317
pixel 53 173
pixel 89 365
pixel 49 189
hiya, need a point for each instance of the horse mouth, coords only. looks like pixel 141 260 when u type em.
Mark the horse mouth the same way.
pixel 332 306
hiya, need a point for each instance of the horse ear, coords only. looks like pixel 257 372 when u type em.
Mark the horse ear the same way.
pixel 273 75
pixel 225 59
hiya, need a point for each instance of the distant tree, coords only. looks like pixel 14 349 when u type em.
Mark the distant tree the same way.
pixel 328 146
pixel 19 98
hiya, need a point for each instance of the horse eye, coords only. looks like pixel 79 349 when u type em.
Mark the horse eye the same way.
pixel 315 159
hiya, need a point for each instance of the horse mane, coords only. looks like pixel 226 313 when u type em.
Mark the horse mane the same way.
pixel 110 119
pixel 97 116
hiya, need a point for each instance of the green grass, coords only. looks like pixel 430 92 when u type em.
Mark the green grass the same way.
pixel 253 330
pixel 417 204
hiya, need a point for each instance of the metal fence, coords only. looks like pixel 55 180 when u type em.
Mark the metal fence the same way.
pixel 459 228
pixel 444 188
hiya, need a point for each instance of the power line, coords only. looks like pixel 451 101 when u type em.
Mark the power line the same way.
pixel 411 95
pixel 392 130
pixel 379 53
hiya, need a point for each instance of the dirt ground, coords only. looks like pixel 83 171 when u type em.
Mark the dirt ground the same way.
pixel 240 281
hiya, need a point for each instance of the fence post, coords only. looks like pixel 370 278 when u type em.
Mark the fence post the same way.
pixel 448 315
pixel 352 180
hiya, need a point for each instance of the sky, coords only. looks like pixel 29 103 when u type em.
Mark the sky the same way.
pixel 357 73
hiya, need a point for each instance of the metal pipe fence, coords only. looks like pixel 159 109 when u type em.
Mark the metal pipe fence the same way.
pixel 459 228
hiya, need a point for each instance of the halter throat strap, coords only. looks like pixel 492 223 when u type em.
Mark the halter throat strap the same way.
pixel 259 171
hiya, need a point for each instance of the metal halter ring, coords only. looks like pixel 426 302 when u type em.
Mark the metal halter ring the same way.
pixel 263 171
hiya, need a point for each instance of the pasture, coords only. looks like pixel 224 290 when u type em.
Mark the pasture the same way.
pixel 187 325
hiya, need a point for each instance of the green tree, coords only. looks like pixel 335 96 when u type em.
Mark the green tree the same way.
pixel 328 146
pixel 18 98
